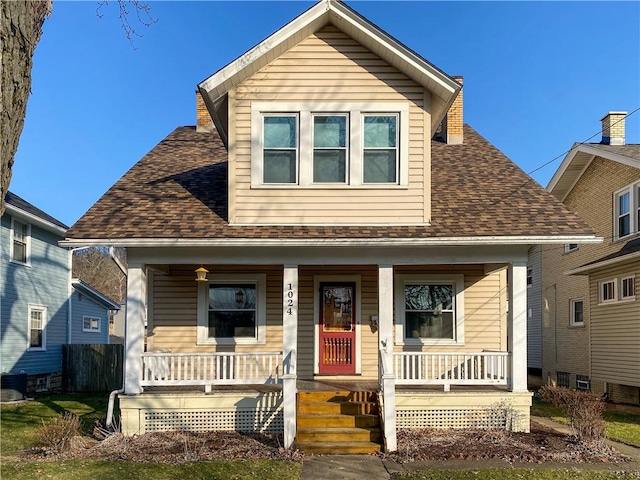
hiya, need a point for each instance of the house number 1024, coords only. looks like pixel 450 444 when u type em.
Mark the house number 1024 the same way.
pixel 289 299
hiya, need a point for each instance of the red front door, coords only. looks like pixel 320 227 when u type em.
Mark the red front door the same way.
pixel 337 329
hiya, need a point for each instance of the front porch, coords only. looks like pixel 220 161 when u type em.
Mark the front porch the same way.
pixel 459 363
pixel 246 392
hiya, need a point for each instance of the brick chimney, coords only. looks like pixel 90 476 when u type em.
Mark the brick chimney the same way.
pixel 452 123
pixel 613 130
pixel 203 119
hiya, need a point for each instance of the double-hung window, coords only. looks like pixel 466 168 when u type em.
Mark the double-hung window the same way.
pixel 280 148
pixel 329 144
pixel 577 313
pixel 20 241
pixel 232 309
pixel 37 322
pixel 429 309
pixel 330 148
pixel 380 150
pixel 626 213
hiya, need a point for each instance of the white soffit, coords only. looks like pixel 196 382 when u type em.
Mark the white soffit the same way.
pixel 576 162
pixel 443 87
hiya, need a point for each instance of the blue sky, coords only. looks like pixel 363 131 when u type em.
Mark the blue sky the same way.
pixel 538 77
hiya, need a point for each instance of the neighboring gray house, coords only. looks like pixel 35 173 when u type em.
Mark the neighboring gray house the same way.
pixel 38 313
pixel 91 313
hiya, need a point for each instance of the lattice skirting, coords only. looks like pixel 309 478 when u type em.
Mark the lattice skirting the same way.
pixel 484 413
pixel 201 413
pixel 214 420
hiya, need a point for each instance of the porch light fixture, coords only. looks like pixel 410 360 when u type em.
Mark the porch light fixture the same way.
pixel 239 296
pixel 201 274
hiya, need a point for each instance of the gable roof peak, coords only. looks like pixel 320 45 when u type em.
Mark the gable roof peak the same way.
pixel 444 88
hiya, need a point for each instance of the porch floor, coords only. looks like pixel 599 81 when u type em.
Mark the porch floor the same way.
pixel 328 385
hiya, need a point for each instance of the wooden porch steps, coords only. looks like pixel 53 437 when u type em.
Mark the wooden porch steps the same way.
pixel 338 422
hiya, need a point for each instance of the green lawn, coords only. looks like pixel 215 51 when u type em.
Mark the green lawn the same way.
pixel 509 474
pixel 622 427
pixel 18 423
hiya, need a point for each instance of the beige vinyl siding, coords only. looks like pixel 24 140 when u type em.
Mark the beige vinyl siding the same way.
pixel 174 313
pixel 328 66
pixel 615 331
pixel 485 307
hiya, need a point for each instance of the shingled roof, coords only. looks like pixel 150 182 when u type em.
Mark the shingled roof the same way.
pixel 179 191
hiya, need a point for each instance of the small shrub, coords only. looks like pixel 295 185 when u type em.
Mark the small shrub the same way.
pixel 582 409
pixel 57 435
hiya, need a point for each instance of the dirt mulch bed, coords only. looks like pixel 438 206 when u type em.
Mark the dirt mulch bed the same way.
pixel 541 445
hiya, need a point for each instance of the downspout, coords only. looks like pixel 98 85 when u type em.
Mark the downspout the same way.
pixel 112 395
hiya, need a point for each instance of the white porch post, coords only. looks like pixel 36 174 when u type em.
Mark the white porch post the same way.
pixel 290 344
pixel 517 326
pixel 134 328
pixel 385 336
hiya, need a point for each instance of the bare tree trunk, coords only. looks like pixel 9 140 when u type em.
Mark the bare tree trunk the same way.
pixel 20 30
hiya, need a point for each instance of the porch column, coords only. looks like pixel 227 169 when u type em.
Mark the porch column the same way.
pixel 385 336
pixel 517 326
pixel 134 328
pixel 289 350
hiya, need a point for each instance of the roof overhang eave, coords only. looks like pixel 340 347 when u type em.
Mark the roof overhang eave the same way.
pixel 587 269
pixel 35 220
pixel 334 242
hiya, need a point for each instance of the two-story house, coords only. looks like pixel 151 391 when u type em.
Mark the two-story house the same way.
pixel 41 306
pixel 590 302
pixel 329 248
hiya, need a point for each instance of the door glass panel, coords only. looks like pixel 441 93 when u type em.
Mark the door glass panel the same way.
pixel 337 309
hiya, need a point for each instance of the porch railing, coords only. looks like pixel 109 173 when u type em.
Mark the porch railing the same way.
pixel 435 368
pixel 163 369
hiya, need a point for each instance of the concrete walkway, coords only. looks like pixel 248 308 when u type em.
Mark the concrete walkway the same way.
pixel 369 467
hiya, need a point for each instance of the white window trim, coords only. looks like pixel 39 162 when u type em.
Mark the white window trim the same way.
pixel 529 276
pixel 354 168
pixel 630 297
pixel 399 284
pixel 92 330
pixel 42 308
pixel 27 243
pixel 601 300
pixel 572 321
pixel 261 309
pixel 634 209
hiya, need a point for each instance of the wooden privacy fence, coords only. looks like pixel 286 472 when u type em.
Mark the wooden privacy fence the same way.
pixel 92 368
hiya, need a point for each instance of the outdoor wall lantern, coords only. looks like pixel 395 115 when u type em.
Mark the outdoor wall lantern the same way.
pixel 201 274
pixel 239 296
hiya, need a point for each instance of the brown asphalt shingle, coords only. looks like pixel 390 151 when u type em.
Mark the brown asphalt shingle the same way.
pixel 179 190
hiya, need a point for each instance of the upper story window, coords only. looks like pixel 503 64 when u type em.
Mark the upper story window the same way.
pixel 280 148
pixel 232 309
pixel 330 148
pixel 628 288
pixel 37 323
pixel 608 291
pixel 20 241
pixel 626 213
pixel 570 247
pixel 429 309
pixel 529 276
pixel 337 145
